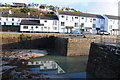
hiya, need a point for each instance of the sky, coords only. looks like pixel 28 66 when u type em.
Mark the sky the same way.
pixel 109 7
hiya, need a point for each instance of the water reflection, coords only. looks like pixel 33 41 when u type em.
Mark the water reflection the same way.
pixel 47 65
pixel 69 67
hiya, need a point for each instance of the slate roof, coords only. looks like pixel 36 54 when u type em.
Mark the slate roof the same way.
pixel 113 17
pixel 15 15
pixel 31 22
pixel 81 14
pixel 48 17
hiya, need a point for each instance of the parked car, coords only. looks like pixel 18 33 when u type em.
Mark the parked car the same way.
pixel 102 32
pixel 86 32
pixel 75 31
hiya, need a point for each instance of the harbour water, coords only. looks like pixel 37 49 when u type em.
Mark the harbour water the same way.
pixel 60 66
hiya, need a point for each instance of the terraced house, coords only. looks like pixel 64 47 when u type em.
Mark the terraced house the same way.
pixel 43 23
pixel 11 21
pixel 62 22
pixel 112 24
pixel 70 21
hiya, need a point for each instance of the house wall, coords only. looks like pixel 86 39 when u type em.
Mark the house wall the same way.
pixel 112 24
pixel 88 22
pixel 39 28
pixel 9 21
pixel 106 23
pixel 49 25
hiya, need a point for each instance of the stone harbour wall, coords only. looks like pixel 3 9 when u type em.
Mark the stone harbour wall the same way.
pixel 77 47
pixel 104 61
pixel 63 44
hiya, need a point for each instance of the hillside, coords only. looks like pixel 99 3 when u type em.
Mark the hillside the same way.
pixel 27 10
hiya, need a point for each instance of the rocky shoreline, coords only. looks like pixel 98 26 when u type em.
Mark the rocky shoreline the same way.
pixel 12 66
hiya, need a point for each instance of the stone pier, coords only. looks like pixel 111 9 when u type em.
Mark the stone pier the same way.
pixel 63 44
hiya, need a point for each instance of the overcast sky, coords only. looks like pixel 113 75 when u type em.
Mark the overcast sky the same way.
pixel 109 7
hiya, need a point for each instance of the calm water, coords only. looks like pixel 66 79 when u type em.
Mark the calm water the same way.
pixel 62 66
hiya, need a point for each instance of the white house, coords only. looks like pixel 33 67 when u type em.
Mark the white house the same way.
pixel 51 23
pixel 112 24
pixel 31 26
pixel 45 23
pixel 33 5
pixel 8 18
pixel 78 21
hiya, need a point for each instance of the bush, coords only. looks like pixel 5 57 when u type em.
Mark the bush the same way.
pixel 25 10
pixel 42 7
pixel 51 13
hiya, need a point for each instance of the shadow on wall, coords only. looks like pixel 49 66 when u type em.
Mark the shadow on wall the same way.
pixel 53 45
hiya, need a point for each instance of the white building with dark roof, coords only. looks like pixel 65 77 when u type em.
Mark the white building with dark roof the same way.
pixel 44 23
pixel 51 23
pixel 112 24
pixel 31 26
pixel 14 19
pixel 80 22
pixel 63 22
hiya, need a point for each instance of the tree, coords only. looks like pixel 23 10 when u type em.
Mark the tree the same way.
pixel 25 10
pixel 42 7
pixel 52 13
pixel 81 26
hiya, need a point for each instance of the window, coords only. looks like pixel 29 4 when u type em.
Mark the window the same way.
pixel 62 16
pixel 72 18
pixel 45 21
pixel 82 24
pixel 86 20
pixel 36 26
pixel 76 17
pixel 18 19
pixel 12 23
pixel 0 18
pixel 31 27
pixel 0 23
pixel 113 22
pixel 102 26
pixel 49 28
pixel 62 23
pixel 41 28
pixel 66 17
pixel 18 23
pixel 55 28
pixel 110 26
pixel 12 19
pixel 76 24
pixel 4 23
pixel 54 22
pixel 82 17
pixel 99 20
pixel 45 27
pixel 94 19
pixel 25 27
pixel 91 20
pixel 6 19
pixel 94 26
